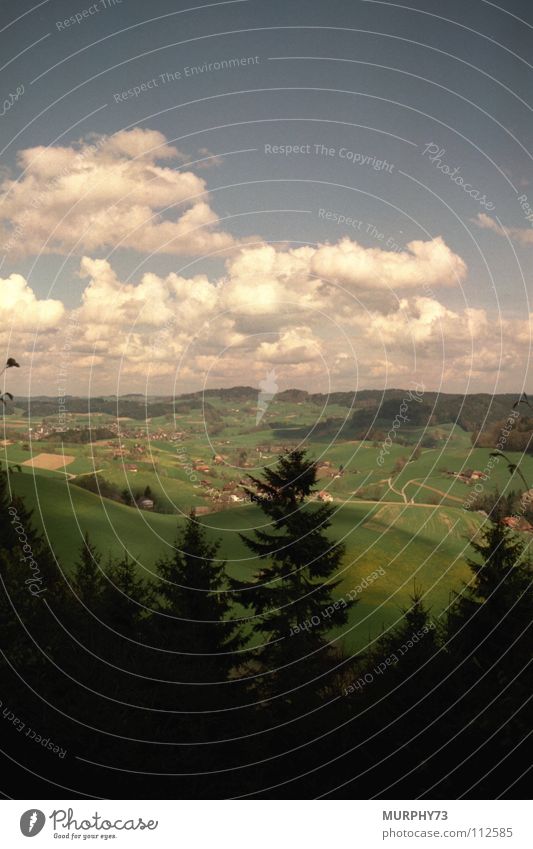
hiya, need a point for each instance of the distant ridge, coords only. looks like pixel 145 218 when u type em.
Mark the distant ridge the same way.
pixel 249 392
pixel 364 407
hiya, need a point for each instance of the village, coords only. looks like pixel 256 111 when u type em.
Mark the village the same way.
pixel 118 449
pixel 178 462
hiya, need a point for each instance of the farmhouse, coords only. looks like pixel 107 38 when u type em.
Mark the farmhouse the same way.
pixel 145 503
pixel 229 487
pixel 324 496
pixel 227 498
pixel 469 475
pixel 517 523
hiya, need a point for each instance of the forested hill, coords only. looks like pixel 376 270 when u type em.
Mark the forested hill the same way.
pixel 371 407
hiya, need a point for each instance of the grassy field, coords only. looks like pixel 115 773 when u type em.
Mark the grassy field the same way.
pixel 409 542
pixel 66 512
pixel 408 521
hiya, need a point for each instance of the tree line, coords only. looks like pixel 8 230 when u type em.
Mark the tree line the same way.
pixel 189 683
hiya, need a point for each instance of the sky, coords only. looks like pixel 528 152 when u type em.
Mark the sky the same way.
pixel 337 194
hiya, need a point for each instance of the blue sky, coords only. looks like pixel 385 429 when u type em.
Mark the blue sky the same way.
pixel 378 82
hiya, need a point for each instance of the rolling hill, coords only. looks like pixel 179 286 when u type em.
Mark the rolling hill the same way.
pixel 411 543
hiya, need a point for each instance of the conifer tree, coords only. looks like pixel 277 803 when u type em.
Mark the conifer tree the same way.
pixel 195 608
pixel 32 595
pixel 395 691
pixel 413 643
pixel 489 646
pixel 127 598
pixel 496 606
pixel 293 597
pixel 89 580
pixel 29 569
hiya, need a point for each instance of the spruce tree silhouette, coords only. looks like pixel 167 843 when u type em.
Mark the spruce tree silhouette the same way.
pixel 89 580
pixel 489 643
pixel 195 608
pixel 293 593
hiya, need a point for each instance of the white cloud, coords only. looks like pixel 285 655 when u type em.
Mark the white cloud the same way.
pixel 272 308
pixel 432 263
pixel 266 289
pixel 295 345
pixel 104 192
pixel 428 326
pixel 21 310
pixel 182 304
pixel 522 235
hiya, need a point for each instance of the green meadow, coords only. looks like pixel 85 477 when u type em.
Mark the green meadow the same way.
pixel 394 510
pixel 410 543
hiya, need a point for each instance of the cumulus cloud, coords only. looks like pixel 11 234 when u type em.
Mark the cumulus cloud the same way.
pixel 305 310
pixel 271 306
pixel 29 327
pixel 295 345
pixel 264 283
pixel 522 235
pixel 265 289
pixel 321 315
pixel 21 310
pixel 350 264
pixel 429 325
pixel 104 192
pixel 180 303
pixel 206 159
